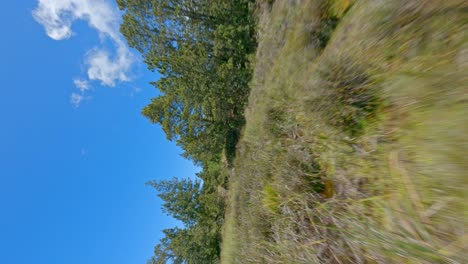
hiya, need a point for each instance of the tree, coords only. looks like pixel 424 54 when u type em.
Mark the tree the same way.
pixel 202 50
pixel 199 210
pixel 181 198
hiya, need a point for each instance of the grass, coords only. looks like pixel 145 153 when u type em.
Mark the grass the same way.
pixel 354 148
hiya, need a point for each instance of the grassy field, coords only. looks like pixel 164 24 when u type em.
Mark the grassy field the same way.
pixel 355 148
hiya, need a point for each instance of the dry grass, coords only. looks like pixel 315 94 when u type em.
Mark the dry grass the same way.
pixel 355 145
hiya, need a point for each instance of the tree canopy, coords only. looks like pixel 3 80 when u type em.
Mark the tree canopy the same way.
pixel 202 51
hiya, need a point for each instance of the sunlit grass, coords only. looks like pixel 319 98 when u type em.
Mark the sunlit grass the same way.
pixel 354 151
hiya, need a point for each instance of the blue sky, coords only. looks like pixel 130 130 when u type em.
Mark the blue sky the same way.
pixel 74 150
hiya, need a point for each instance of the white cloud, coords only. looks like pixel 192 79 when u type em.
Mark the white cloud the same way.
pixel 57 17
pixel 135 90
pixel 107 69
pixel 76 99
pixel 81 84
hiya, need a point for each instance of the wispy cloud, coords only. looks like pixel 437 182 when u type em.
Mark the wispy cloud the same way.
pixel 81 84
pixel 76 99
pixel 107 67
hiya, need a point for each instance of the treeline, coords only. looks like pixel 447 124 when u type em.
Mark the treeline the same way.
pixel 202 49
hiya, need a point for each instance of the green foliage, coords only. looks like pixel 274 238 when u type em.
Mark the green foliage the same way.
pixel 181 198
pixel 201 211
pixel 351 148
pixel 202 50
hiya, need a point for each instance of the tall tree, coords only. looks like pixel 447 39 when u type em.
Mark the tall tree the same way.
pixel 201 48
pixel 181 198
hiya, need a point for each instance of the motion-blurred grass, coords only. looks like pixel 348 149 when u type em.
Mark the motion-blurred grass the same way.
pixel 356 142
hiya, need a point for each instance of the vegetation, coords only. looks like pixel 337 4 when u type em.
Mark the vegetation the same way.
pixel 202 50
pixel 341 140
pixel 352 150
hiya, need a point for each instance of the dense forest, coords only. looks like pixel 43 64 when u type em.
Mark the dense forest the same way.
pixel 203 51
pixel 328 131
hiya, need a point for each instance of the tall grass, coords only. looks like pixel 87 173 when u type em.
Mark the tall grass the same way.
pixel 354 150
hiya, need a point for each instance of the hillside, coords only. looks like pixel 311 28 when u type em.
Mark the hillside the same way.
pixel 354 147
